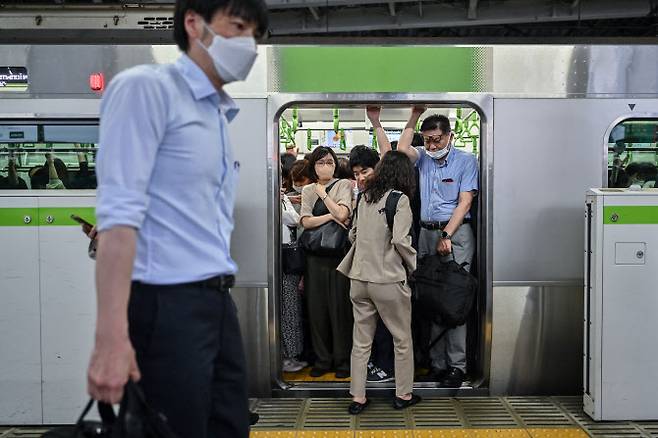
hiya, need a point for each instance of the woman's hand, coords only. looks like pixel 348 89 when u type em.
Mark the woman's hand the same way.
pixel 320 190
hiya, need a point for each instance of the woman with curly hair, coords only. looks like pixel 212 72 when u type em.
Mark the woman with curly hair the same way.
pixel 377 265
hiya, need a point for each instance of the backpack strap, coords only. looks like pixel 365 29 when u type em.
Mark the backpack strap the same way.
pixel 391 207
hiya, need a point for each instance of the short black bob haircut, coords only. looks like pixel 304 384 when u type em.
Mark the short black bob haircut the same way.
pixel 363 156
pixel 252 11
pixel 436 121
pixel 318 154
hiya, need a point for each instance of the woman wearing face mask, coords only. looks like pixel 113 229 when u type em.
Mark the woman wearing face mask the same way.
pixel 327 290
pixel 292 334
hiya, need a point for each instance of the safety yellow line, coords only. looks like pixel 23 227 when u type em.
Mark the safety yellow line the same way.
pixel 424 433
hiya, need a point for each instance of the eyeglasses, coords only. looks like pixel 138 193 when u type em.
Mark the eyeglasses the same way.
pixel 436 139
pixel 325 163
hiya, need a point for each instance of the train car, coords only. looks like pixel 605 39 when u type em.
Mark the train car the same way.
pixel 547 123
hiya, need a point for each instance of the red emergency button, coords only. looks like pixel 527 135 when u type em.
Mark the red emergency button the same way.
pixel 97 81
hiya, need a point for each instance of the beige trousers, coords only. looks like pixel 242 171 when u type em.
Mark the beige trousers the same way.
pixel 393 303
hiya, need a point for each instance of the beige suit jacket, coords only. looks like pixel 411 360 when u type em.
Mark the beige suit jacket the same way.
pixel 377 255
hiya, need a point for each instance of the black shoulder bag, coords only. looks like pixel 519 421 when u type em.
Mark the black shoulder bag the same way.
pixel 329 239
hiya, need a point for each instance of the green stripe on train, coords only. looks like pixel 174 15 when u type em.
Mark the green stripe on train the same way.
pixel 630 215
pixel 380 69
pixel 32 217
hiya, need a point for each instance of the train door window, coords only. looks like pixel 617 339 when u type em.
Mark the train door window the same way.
pixel 302 130
pixel 49 155
pixel 633 154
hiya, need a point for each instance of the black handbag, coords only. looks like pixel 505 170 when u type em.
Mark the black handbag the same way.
pixel 329 239
pixel 135 420
pixel 292 256
pixel 444 291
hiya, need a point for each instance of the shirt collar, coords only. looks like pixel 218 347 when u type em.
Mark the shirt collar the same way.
pixel 202 88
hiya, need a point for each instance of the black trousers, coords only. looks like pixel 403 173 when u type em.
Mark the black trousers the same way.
pixel 382 348
pixel 189 351
pixel 329 312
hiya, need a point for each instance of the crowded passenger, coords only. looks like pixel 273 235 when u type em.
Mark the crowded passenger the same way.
pixel 12 181
pixel 380 367
pixel 377 265
pixel 52 175
pixel 328 200
pixel 448 186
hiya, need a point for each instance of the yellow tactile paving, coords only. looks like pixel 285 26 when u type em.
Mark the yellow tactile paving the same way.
pixel 325 434
pixel 424 433
pixel 441 433
pixel 557 433
pixel 496 433
pixel 398 433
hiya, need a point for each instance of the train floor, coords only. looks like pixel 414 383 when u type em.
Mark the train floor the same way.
pixel 471 417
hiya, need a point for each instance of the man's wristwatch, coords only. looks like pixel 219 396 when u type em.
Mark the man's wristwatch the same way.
pixel 445 235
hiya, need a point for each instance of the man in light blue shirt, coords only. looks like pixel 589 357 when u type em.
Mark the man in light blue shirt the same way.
pixel 448 185
pixel 166 188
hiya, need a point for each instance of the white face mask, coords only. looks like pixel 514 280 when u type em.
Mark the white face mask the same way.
pixel 298 189
pixel 232 57
pixel 438 154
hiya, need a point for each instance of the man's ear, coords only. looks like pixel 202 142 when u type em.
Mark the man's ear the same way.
pixel 193 25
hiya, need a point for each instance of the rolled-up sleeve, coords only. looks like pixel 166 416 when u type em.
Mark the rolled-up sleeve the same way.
pixel 469 181
pixel 133 118
pixel 342 194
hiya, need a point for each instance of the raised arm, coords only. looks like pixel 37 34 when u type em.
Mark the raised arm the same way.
pixel 404 144
pixel 373 113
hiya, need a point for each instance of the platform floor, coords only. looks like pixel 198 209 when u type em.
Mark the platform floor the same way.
pixel 472 417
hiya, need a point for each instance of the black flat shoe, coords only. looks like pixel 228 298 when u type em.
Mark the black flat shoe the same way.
pixel 400 403
pixel 318 372
pixel 356 408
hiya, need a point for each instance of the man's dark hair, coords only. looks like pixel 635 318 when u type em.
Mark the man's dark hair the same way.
pixel 318 154
pixel 363 156
pixel 287 161
pixel 436 121
pixel 395 172
pixel 344 169
pixel 252 11
pixel 418 139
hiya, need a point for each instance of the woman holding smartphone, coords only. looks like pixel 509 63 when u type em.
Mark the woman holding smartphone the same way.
pixel 377 265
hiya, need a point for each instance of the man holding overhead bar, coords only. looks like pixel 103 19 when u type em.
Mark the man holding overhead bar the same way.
pixel 448 185
pixel 166 189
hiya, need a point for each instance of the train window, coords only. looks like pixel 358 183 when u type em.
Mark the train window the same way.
pixel 633 154
pixel 48 156
pixel 342 128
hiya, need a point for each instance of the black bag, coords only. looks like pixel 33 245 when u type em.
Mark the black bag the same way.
pixel 329 239
pixel 445 291
pixel 292 256
pixel 135 420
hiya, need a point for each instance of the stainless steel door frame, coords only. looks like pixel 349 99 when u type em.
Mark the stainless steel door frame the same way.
pixel 483 103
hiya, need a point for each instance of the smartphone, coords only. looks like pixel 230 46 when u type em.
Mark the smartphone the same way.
pixel 85 225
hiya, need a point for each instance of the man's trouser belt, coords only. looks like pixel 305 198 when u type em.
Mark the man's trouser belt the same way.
pixel 439 225
pixel 219 283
